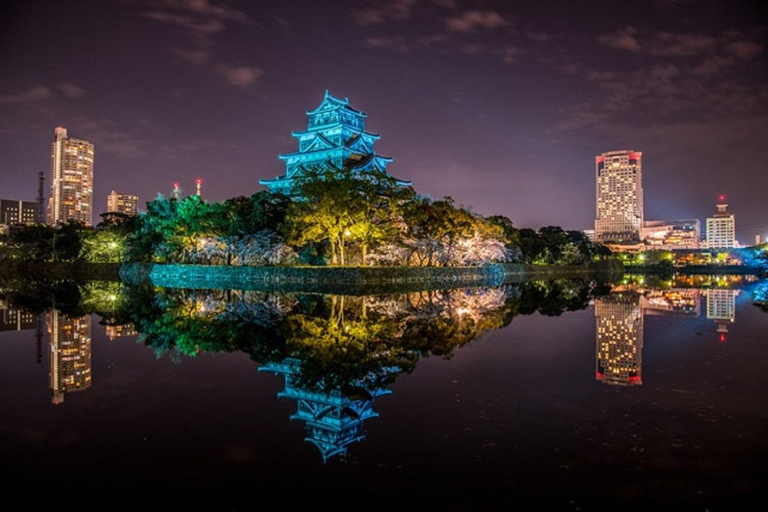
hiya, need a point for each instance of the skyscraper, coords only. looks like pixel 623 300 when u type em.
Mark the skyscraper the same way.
pixel 619 339
pixel 70 354
pixel 123 203
pixel 619 196
pixel 721 228
pixel 71 179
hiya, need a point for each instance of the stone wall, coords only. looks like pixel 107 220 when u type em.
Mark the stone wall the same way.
pixel 350 280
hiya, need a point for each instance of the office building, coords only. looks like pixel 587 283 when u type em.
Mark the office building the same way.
pixel 122 203
pixel 17 212
pixel 721 228
pixel 71 180
pixel 619 197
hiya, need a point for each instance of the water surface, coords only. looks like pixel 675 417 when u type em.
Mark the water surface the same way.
pixel 570 394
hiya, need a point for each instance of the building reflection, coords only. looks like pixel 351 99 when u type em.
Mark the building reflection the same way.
pixel 14 319
pixel 721 307
pixel 70 340
pixel 120 331
pixel 332 419
pixel 619 339
pixel 620 322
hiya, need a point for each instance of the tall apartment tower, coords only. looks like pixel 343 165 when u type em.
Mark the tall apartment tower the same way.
pixel 71 179
pixel 619 196
pixel 70 340
pixel 619 339
pixel 123 203
pixel 721 228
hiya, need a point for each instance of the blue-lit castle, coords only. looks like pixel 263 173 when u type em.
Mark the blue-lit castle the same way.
pixel 332 419
pixel 335 138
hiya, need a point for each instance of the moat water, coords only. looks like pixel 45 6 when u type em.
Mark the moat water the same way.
pixel 567 394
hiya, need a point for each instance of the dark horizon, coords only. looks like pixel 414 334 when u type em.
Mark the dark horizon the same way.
pixel 501 107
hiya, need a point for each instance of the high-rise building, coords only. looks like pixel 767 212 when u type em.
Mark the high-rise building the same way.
pixel 721 228
pixel 17 212
pixel 619 339
pixel 14 319
pixel 70 354
pixel 619 196
pixel 335 138
pixel 122 203
pixel 71 179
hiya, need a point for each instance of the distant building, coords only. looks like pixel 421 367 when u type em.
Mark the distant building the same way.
pixel 672 234
pixel 619 196
pixel 721 307
pixel 70 354
pixel 589 233
pixel 71 179
pixel 14 319
pixel 120 331
pixel 122 203
pixel 619 339
pixel 721 228
pixel 17 212
pixel 335 138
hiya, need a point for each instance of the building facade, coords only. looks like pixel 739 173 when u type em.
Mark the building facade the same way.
pixel 619 196
pixel 619 339
pixel 335 138
pixel 122 203
pixel 71 180
pixel 672 234
pixel 17 212
pixel 721 228
pixel 70 354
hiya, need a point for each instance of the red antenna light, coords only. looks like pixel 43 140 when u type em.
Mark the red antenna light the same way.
pixel 198 180
pixel 722 198
pixel 175 185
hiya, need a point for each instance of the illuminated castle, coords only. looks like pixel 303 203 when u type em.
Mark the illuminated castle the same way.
pixel 332 419
pixel 335 138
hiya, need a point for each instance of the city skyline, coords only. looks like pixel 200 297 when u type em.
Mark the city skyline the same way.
pixel 500 110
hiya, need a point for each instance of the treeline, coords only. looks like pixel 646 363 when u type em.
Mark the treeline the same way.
pixel 342 218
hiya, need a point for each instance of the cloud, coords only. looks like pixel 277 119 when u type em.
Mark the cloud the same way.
pixel 381 12
pixel 509 54
pixel 241 76
pixel 33 95
pixel 202 28
pixel 623 39
pixel 198 57
pixel 202 20
pixel 108 137
pixel 397 43
pixel 473 20
pixel 71 90
pixel 744 50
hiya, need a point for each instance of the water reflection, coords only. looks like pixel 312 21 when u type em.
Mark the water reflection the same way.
pixel 70 340
pixel 336 354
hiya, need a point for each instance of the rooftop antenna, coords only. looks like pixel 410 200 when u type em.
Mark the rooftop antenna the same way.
pixel 176 193
pixel 199 186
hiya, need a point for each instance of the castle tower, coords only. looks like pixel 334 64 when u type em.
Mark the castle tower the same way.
pixel 335 138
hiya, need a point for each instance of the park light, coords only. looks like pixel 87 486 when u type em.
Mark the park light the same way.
pixel 641 257
pixel 347 232
pixel 113 298
pixel 112 245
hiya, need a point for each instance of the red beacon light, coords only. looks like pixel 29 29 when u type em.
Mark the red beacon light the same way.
pixel 722 198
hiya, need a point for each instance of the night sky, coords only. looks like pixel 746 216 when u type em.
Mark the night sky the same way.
pixel 501 105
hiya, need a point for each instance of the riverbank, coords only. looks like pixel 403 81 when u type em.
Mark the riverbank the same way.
pixel 741 270
pixel 356 280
